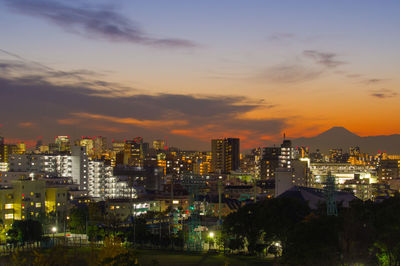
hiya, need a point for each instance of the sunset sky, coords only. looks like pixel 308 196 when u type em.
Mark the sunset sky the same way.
pixel 195 70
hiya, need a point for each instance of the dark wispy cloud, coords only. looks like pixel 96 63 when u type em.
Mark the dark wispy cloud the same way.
pixel 383 93
pixel 373 81
pixel 299 69
pixel 97 22
pixel 281 37
pixel 31 71
pixel 290 73
pixel 52 108
pixel 325 59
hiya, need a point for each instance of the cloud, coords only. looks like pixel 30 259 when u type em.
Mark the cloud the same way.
pixel 324 59
pixel 80 108
pixel 68 121
pixel 93 22
pixel 373 81
pixel 299 70
pixel 383 93
pixel 290 73
pixel 28 71
pixel 132 121
pixel 26 124
pixel 281 37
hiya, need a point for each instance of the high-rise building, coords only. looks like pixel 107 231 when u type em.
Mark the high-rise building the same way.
pixel 117 157
pixel 63 143
pixel 387 169
pixel 3 151
pixel 21 148
pixel 100 146
pixel 80 167
pixel 287 154
pixel 29 199
pixel 297 174
pixel 134 151
pixel 158 144
pixel 267 160
pixel 225 155
pixel 87 142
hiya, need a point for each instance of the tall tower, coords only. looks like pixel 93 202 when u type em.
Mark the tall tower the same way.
pixel 80 167
pixel 225 155
pixel 331 208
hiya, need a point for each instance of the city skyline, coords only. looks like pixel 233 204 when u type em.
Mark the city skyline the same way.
pixel 194 72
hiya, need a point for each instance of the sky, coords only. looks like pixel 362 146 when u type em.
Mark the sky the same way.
pixel 190 71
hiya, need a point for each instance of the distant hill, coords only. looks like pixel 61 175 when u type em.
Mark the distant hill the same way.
pixel 340 137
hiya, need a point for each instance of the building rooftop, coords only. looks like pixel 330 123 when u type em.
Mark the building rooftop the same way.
pixel 315 197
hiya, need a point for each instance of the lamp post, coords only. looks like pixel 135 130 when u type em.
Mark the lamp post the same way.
pixel 219 200
pixel 211 239
pixel 53 230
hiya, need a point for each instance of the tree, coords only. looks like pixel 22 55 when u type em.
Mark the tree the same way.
pixel 95 233
pixel 139 234
pixel 357 232
pixel 78 219
pixel 279 216
pixel 242 226
pixel 387 226
pixel 314 241
pixel 26 231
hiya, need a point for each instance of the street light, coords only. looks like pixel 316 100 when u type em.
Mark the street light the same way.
pixel 211 240
pixel 54 230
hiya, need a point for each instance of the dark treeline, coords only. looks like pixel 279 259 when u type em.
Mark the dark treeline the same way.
pixel 92 221
pixel 365 233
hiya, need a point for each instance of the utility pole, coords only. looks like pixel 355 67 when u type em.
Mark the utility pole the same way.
pixel 56 216
pixel 134 226
pixel 219 200
pixel 255 189
pixel 133 212
pixel 159 222
pixel 171 210
pixel 65 233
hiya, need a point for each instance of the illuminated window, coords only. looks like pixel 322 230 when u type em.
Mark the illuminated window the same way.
pixel 8 206
pixel 32 193
pixel 9 216
pixel 58 204
pixel 38 204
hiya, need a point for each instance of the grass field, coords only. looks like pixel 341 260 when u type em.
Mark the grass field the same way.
pixel 177 259
pixel 82 256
